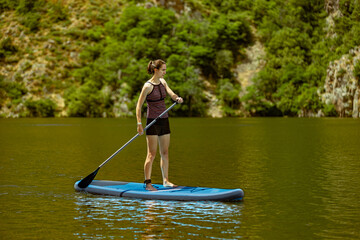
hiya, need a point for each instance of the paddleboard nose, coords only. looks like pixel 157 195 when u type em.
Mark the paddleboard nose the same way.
pixel 76 186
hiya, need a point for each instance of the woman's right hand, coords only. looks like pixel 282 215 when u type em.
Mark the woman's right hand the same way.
pixel 140 129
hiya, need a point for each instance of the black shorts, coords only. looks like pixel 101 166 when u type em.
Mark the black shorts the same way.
pixel 159 128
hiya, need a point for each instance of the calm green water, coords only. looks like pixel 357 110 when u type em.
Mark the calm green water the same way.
pixel 301 179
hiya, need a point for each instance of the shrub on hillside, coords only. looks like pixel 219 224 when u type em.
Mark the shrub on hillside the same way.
pixel 7 47
pixel 12 90
pixel 41 108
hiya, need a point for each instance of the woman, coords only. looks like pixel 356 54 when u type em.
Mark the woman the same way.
pixel 154 91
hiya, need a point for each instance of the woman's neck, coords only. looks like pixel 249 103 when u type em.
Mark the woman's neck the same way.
pixel 155 80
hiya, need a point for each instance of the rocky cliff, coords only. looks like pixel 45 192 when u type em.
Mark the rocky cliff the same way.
pixel 342 88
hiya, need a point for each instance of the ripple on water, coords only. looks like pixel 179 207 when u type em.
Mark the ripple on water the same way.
pixel 159 218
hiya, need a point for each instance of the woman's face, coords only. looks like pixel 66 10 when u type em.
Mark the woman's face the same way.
pixel 161 71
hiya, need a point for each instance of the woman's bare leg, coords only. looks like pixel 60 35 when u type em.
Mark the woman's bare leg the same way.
pixel 151 153
pixel 164 142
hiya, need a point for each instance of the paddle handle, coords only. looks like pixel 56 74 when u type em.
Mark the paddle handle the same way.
pixel 132 139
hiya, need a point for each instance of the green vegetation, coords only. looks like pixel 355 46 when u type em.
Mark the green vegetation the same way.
pixel 7 48
pixel 357 73
pixel 298 53
pixel 189 46
pixel 206 43
pixel 15 91
pixel 40 108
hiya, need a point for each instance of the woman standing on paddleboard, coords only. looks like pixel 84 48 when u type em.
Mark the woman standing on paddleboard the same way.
pixel 154 92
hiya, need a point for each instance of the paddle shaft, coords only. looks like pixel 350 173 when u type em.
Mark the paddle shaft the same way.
pixel 132 139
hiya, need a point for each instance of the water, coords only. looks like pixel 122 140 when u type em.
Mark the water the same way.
pixel 300 176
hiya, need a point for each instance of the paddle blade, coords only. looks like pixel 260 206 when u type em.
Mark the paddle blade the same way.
pixel 87 180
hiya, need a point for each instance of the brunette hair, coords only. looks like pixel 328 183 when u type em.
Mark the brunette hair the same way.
pixel 154 64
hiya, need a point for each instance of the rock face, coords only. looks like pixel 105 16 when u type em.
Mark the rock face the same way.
pixel 331 5
pixel 253 63
pixel 342 87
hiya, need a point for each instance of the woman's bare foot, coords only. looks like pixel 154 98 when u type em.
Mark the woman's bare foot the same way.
pixel 150 187
pixel 169 184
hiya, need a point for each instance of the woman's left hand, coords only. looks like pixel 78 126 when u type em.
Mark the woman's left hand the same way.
pixel 140 129
pixel 179 100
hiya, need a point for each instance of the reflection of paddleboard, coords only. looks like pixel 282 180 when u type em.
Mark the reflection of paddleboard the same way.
pixel 137 190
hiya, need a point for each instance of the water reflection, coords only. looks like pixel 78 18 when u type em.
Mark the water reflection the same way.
pixel 133 218
pixel 339 189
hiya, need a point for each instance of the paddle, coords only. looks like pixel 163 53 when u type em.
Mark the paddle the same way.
pixel 88 179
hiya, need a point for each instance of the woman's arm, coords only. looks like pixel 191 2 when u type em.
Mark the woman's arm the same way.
pixel 173 96
pixel 144 92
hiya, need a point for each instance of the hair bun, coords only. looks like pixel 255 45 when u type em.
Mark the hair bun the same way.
pixel 154 64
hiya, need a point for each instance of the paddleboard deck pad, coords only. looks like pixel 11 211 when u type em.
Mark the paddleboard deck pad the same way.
pixel 137 190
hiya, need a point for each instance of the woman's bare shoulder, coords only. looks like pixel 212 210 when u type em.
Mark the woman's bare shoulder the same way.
pixel 147 88
pixel 163 81
pixel 147 84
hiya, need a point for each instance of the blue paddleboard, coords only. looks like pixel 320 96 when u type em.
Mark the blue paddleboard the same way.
pixel 137 190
